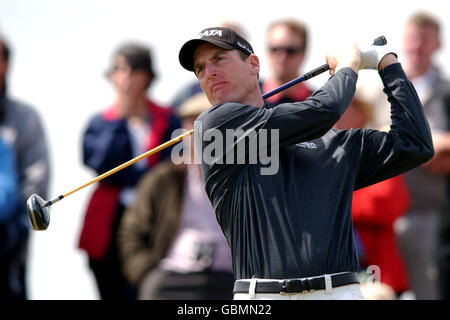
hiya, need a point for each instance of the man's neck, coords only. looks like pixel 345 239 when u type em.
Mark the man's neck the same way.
pixel 256 97
pixel 135 106
pixel 279 81
pixel 255 100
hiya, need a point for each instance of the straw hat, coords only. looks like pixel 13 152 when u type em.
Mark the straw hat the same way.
pixel 361 102
pixel 194 106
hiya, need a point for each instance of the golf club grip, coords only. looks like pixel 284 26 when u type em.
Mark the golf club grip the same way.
pixel 380 41
pixel 316 71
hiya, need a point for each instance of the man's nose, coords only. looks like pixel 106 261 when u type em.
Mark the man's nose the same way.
pixel 280 55
pixel 210 70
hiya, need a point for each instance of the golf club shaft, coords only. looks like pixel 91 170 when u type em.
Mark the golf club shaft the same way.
pixel 304 77
pixel 132 161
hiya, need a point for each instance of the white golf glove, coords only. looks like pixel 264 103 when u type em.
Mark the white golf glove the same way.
pixel 373 54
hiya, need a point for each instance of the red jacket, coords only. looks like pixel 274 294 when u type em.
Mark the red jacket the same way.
pixel 374 211
pixel 106 145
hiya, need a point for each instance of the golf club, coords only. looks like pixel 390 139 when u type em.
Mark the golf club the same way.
pixel 38 209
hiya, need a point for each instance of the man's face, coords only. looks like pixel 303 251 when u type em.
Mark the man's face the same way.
pixel 285 52
pixel 223 75
pixel 419 44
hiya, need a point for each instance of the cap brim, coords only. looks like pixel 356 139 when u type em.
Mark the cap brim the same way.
pixel 186 56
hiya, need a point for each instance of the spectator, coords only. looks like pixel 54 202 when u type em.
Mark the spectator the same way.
pixel 417 230
pixel 171 243
pixel 21 129
pixel 358 114
pixel 374 210
pixel 132 125
pixel 287 41
pixel 9 186
pixel 9 204
pixel 440 165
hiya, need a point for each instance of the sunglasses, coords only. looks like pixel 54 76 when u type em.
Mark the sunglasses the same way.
pixel 289 50
pixel 115 68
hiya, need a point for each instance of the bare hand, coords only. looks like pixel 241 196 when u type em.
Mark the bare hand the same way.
pixel 347 58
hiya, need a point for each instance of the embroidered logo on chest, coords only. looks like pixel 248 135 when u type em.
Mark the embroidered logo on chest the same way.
pixel 308 145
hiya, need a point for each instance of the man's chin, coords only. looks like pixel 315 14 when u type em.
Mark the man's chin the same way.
pixel 218 100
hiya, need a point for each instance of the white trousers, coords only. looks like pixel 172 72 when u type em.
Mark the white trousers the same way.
pixel 347 292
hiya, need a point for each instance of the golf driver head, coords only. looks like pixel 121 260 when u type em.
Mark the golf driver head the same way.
pixel 38 215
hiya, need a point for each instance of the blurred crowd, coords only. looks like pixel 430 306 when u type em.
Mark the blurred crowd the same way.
pixel 150 232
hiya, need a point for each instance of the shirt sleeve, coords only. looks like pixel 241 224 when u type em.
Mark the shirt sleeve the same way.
pixel 295 122
pixel 312 118
pixel 408 143
pixel 33 152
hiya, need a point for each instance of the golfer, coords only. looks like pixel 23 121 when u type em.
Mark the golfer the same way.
pixel 290 231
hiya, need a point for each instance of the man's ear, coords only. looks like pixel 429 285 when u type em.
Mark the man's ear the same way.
pixel 254 63
pixel 438 44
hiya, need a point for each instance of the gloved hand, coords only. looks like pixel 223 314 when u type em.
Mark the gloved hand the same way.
pixel 373 54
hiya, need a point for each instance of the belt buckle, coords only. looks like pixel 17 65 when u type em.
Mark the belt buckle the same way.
pixel 294 286
pixel 306 284
pixel 283 288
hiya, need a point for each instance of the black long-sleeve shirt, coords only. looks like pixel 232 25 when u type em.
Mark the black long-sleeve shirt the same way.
pixel 297 221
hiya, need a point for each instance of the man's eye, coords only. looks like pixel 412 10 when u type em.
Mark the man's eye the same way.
pixel 198 70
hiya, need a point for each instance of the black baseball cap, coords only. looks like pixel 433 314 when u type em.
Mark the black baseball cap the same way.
pixel 224 38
